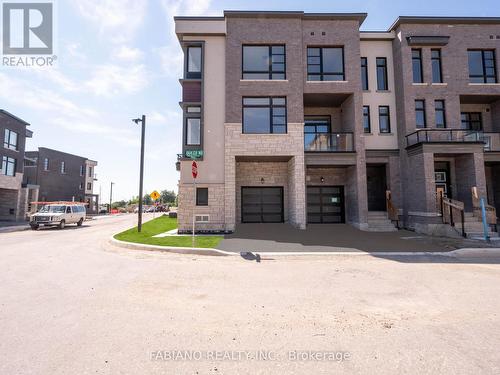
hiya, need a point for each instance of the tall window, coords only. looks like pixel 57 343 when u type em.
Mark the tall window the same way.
pixel 8 166
pixel 193 131
pixel 264 115
pixel 202 196
pixel 10 140
pixel 420 113
pixel 382 73
pixel 82 170
pixel 63 167
pixel 437 76
pixel 325 64
pixel 482 67
pixel 384 120
pixel 364 73
pixel 316 132
pixel 366 119
pixel 471 121
pixel 416 59
pixel 440 114
pixel 46 164
pixel 193 66
pixel 89 185
pixel 90 171
pixel 264 62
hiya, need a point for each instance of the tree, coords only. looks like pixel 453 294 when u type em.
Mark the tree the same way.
pixel 168 196
pixel 119 204
pixel 147 199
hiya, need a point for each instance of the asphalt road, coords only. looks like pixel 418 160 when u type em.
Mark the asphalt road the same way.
pixel 72 304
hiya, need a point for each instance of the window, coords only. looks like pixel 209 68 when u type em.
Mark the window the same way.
pixel 193 109
pixel 420 113
pixel 68 209
pixel 202 196
pixel 471 121
pixel 364 73
pixel 10 140
pixel 416 59
pixel 8 166
pixel 193 68
pixel 89 185
pixel 63 167
pixel 382 73
pixel 82 170
pixel 325 64
pixel 482 66
pixel 440 114
pixel 90 171
pixel 436 66
pixel 46 164
pixel 193 127
pixel 81 186
pixel 316 132
pixel 264 62
pixel 384 120
pixel 366 119
pixel 264 115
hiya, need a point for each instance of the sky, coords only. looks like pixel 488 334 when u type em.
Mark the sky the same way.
pixel 119 59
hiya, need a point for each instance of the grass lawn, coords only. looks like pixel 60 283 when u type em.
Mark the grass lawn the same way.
pixel 161 225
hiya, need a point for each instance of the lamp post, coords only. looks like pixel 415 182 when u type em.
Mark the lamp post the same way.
pixel 141 120
pixel 111 196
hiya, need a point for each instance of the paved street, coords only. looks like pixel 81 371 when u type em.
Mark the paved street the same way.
pixel 72 304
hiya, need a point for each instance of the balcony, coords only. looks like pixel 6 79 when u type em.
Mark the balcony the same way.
pixel 444 136
pixel 329 142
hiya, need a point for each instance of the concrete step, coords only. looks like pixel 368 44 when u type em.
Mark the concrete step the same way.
pixel 378 222
pixel 480 235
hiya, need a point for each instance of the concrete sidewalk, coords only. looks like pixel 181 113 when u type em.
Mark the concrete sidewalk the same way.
pixel 11 226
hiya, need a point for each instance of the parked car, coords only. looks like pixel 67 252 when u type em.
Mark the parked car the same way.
pixel 58 214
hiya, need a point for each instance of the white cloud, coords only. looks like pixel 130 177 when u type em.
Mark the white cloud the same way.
pixel 166 118
pixel 128 54
pixel 109 79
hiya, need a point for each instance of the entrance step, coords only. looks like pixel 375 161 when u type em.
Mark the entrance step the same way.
pixel 378 222
pixel 480 235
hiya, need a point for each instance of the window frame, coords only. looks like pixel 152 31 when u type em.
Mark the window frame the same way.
pixel 440 110
pixel 365 84
pixel 388 119
pixel 384 66
pixel 437 60
pixel 198 203
pixel 368 116
pixel 193 74
pixel 63 167
pixel 484 76
pixel 7 140
pixel 423 112
pixel 187 118
pixel 46 164
pixel 470 121
pixel 419 59
pixel 322 73
pixel 6 161
pixel 270 55
pixel 271 106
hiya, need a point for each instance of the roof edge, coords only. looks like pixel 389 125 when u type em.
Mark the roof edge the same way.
pixel 446 20
pixel 14 117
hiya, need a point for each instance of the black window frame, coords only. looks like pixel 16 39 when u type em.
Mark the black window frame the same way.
pixel 419 60
pixel 436 62
pixel 383 66
pixel 365 85
pixel 469 121
pixel 199 202
pixel 63 167
pixel 484 76
pixel 367 116
pixel 270 70
pixel 7 140
pixel 380 115
pixel 417 110
pixel 6 160
pixel 322 73
pixel 442 110
pixel 187 73
pixel 271 107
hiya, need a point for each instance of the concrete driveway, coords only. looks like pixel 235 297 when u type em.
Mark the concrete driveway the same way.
pixel 336 237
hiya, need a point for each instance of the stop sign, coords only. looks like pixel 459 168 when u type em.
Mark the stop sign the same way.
pixel 194 169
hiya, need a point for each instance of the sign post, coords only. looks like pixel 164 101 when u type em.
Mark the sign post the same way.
pixel 154 196
pixel 194 172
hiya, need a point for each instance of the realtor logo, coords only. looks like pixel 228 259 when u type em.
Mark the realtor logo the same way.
pixel 27 28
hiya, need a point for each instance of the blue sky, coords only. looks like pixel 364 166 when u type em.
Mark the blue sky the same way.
pixel 118 59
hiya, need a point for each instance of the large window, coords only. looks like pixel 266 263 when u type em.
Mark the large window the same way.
pixel 471 121
pixel 63 167
pixel 193 131
pixel 325 64
pixel 10 140
pixel 193 66
pixel 82 170
pixel 264 62
pixel 384 119
pixel 482 67
pixel 416 58
pixel 364 73
pixel 437 76
pixel 316 132
pixel 8 166
pixel 202 196
pixel 382 73
pixel 366 119
pixel 264 115
pixel 440 114
pixel 46 164
pixel 420 113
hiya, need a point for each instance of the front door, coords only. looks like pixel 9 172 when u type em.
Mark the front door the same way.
pixel 262 205
pixel 376 185
pixel 325 204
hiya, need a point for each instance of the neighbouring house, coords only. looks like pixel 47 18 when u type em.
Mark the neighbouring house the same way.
pixel 62 177
pixel 14 195
pixel 304 119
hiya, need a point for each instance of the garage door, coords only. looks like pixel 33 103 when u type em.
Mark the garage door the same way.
pixel 262 205
pixel 325 204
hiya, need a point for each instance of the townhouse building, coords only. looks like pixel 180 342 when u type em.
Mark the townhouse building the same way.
pixel 302 118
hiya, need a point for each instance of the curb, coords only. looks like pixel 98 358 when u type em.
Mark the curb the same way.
pixel 16 228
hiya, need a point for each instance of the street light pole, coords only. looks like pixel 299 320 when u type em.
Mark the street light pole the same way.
pixel 111 197
pixel 141 177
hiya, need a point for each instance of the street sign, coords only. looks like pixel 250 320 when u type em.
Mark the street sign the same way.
pixel 194 169
pixel 154 195
pixel 194 154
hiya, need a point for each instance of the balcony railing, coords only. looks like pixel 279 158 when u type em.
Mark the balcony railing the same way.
pixel 491 141
pixel 328 142
pixel 444 136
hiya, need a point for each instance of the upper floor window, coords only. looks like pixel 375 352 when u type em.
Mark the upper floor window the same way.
pixel 193 131
pixel 482 67
pixel 364 73
pixel 10 140
pixel 416 59
pixel 382 74
pixel 89 185
pixel 82 170
pixel 325 64
pixel 90 171
pixel 80 186
pixel 193 65
pixel 366 119
pixel 8 166
pixel 384 119
pixel 437 76
pixel 264 62
pixel 471 121
pixel 264 115
pixel 46 164
pixel 63 167
pixel 420 113
pixel 440 114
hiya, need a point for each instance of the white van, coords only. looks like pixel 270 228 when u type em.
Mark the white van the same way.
pixel 58 214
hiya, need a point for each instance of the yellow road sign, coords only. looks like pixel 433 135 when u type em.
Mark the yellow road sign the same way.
pixel 154 195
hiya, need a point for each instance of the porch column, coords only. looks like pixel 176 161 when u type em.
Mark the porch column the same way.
pixel 469 172
pixel 421 186
pixel 230 192
pixel 297 192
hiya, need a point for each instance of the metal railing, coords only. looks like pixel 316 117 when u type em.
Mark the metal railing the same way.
pixel 329 142
pixel 392 210
pixel 444 136
pixel 452 212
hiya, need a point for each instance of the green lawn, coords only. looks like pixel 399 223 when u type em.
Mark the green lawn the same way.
pixel 161 225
